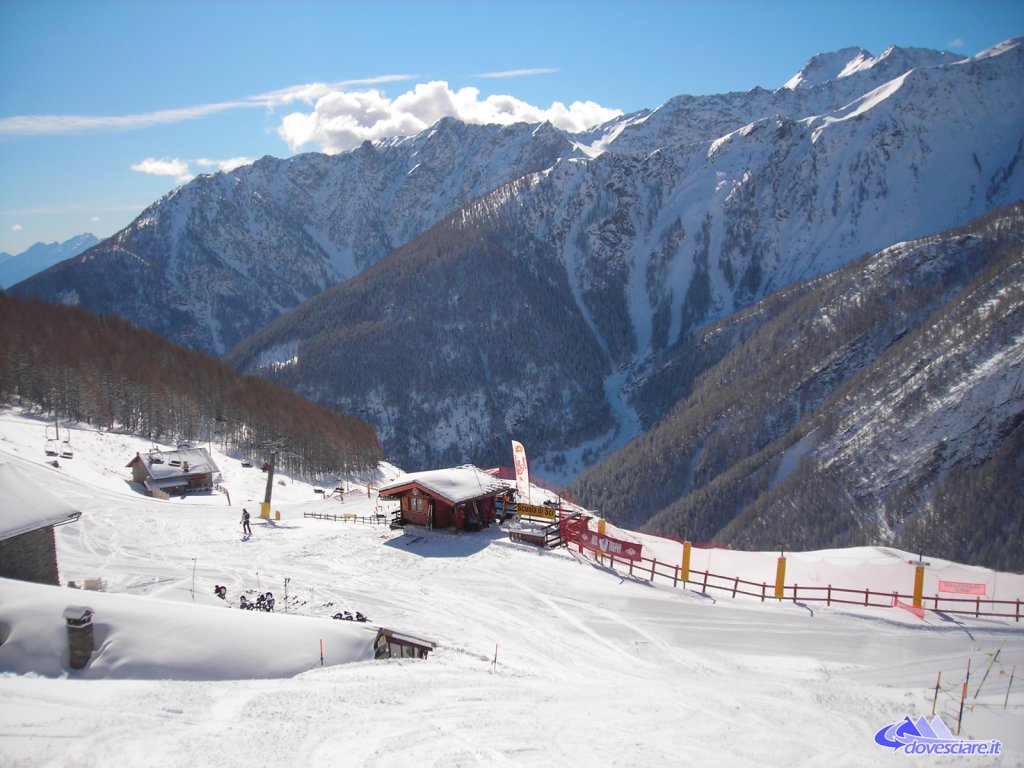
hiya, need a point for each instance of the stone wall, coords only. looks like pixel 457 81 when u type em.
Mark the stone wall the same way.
pixel 31 556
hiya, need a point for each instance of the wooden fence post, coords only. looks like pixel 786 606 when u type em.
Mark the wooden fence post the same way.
pixel 735 583
pixel 828 595
pixel 654 567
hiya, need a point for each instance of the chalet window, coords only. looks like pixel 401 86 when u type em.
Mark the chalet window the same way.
pixel 418 504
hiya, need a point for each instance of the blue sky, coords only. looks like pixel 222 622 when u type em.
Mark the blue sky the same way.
pixel 107 106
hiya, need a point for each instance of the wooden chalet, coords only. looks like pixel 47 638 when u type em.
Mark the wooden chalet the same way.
pixel 28 514
pixel 172 473
pixel 464 498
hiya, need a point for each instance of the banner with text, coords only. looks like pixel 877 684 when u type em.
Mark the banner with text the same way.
pixel 961 587
pixel 578 533
pixel 535 510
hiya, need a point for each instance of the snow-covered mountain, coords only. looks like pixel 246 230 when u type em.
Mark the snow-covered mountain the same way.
pixel 567 263
pixel 646 247
pixel 218 258
pixel 17 267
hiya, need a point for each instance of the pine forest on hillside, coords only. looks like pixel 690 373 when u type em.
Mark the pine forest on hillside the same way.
pixel 102 370
pixel 880 404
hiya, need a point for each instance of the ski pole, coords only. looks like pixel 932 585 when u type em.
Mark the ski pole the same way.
pixel 936 698
pixel 1012 673
pixel 983 679
pixel 963 695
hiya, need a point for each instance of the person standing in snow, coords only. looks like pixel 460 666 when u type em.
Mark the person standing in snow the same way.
pixel 245 523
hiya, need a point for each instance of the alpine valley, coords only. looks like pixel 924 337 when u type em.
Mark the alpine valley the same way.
pixel 784 313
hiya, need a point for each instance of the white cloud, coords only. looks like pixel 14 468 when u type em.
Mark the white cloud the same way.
pixel 164 167
pixel 95 219
pixel 16 228
pixel 517 73
pixel 181 169
pixel 30 125
pixel 342 120
pixel 957 43
pixel 224 165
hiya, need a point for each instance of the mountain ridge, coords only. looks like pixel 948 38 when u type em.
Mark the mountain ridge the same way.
pixel 17 267
pixel 654 224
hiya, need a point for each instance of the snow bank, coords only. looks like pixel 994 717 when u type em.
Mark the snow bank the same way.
pixel 142 638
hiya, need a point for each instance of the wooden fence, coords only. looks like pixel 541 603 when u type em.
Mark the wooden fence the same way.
pixel 379 519
pixel 705 580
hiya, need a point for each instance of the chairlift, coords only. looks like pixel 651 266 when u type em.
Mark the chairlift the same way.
pixel 65 450
pixel 52 441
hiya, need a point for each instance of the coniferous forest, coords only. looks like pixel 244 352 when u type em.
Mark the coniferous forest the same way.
pixel 101 370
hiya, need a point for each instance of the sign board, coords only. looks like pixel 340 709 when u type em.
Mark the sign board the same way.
pixel 961 587
pixel 535 510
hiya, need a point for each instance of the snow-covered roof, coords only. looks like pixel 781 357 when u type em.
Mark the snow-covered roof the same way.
pixel 172 463
pixel 456 485
pixel 25 505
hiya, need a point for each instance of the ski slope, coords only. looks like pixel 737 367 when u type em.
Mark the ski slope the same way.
pixel 541 659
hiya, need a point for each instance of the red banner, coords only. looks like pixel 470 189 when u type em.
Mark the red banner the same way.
pixel 575 531
pixel 962 587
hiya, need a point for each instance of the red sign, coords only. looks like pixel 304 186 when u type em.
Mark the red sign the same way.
pixel 961 587
pixel 575 531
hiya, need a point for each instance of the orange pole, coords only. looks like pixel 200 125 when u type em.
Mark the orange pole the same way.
pixel 780 578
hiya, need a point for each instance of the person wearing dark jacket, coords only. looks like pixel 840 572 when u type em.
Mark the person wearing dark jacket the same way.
pixel 245 523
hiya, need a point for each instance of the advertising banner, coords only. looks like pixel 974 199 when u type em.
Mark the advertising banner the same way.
pixel 577 532
pixel 961 587
pixel 522 471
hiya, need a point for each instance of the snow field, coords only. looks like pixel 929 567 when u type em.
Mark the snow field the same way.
pixel 592 667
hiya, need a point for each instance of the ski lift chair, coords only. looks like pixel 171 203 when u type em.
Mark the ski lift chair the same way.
pixel 51 447
pixel 65 450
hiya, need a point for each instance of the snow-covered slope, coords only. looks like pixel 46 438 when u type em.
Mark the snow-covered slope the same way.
pixel 597 667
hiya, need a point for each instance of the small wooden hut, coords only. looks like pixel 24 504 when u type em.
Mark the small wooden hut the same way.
pixel 461 497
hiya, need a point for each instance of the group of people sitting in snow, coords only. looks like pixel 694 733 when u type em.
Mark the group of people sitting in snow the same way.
pixel 347 616
pixel 262 603
pixel 221 591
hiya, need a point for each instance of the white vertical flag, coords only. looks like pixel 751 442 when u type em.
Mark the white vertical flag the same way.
pixel 522 471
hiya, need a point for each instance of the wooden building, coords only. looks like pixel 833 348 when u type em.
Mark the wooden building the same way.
pixel 172 473
pixel 28 514
pixel 463 498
